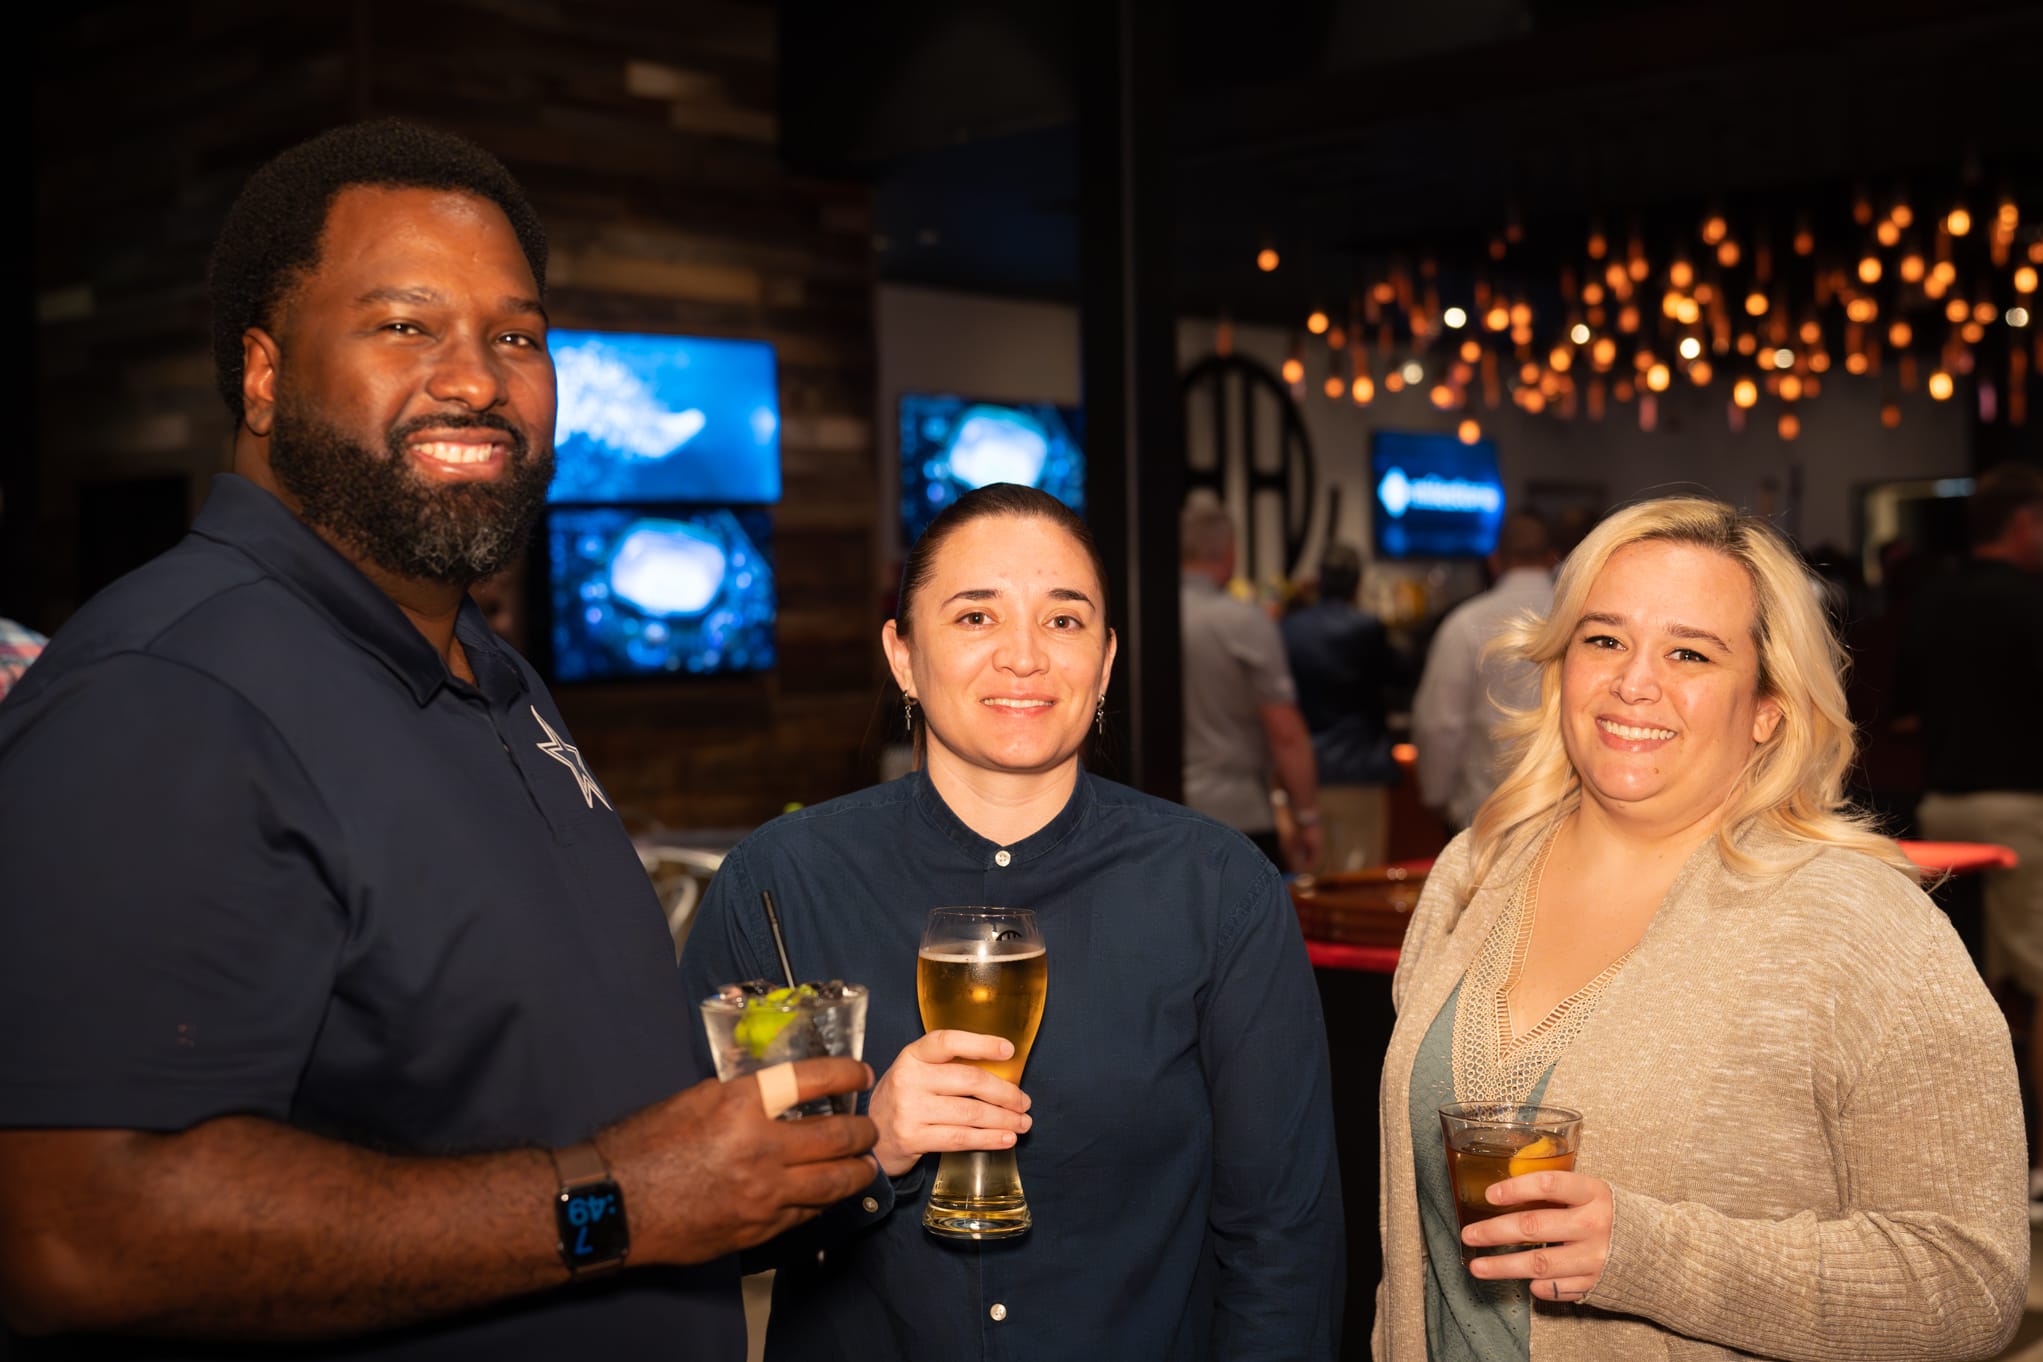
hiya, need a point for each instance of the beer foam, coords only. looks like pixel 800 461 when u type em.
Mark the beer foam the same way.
pixel 978 953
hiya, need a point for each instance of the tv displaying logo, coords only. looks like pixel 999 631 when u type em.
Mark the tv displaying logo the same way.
pixel 664 418
pixel 952 445
pixel 653 591
pixel 1435 496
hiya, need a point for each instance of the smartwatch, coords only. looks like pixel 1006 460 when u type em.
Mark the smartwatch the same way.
pixel 588 1211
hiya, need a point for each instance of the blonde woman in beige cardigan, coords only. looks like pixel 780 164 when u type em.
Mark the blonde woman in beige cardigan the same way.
pixel 1802 1134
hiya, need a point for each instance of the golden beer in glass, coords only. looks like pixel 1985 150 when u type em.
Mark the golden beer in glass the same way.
pixel 982 970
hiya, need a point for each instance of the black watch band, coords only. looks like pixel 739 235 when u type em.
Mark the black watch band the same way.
pixel 588 1212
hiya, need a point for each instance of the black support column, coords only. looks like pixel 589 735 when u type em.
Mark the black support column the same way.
pixel 1128 342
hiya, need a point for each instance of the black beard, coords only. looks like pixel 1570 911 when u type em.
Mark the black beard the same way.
pixel 455 533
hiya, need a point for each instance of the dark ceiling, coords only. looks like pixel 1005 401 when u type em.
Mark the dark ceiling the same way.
pixel 1348 132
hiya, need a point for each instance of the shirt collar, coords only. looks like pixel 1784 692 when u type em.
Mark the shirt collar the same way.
pixel 983 851
pixel 244 516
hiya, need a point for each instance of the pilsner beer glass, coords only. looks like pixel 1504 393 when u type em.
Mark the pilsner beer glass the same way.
pixel 981 970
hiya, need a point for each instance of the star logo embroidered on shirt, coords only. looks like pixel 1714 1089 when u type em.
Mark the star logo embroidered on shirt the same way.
pixel 570 756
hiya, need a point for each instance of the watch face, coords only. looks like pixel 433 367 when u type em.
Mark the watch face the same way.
pixel 592 1228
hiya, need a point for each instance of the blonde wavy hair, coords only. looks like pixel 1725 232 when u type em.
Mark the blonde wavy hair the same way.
pixel 1793 787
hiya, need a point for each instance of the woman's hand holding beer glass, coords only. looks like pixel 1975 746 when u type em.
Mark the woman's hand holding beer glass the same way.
pixel 925 1104
pixel 1568 1228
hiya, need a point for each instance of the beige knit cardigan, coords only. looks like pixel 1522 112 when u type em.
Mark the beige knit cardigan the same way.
pixel 1804 1099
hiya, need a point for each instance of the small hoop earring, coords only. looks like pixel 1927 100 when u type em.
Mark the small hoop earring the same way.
pixel 1099 715
pixel 908 713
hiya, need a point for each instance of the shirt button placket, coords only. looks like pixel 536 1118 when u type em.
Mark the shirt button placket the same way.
pixel 1002 857
pixel 999 1312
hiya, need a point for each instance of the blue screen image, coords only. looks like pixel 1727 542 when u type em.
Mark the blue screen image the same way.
pixel 664 418
pixel 659 592
pixel 1431 496
pixel 951 445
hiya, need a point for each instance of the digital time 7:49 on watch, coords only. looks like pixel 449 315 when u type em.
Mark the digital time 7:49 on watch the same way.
pixel 588 1211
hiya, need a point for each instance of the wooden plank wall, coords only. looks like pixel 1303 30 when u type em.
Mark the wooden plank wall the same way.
pixel 646 135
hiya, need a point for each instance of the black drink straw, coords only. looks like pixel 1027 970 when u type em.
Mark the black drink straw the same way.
pixel 779 943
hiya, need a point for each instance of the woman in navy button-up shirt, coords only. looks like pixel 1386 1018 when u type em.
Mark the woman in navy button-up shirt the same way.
pixel 1174 1127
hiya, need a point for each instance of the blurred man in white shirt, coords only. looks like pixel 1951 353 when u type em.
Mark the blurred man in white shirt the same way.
pixel 1455 712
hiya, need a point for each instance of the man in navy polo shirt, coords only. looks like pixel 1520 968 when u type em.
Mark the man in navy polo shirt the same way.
pixel 338 1011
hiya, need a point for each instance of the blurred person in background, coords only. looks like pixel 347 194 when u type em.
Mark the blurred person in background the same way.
pixel 1341 660
pixel 1244 733
pixel 1801 1133
pixel 1455 711
pixel 1971 661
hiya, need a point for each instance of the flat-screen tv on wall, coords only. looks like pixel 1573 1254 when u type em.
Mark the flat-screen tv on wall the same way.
pixel 651 591
pixel 1432 496
pixel 647 418
pixel 951 445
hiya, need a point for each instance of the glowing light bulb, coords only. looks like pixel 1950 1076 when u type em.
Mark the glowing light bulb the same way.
pixel 1983 312
pixel 1455 318
pixel 1745 392
pixel 1958 222
pixel 1333 386
pixel 1890 415
pixel 1901 215
pixel 1887 233
pixel 1471 350
pixel 1469 431
pixel 1784 358
pixel 1628 318
pixel 1294 370
pixel 1862 309
pixel 1869 270
pixel 1560 359
pixel 1413 372
pixel 1690 347
pixel 1790 425
pixel 1700 373
pixel 1940 385
pixel 2017 316
pixel 1811 332
pixel 1900 334
pixel 1528 372
pixel 2025 279
pixel 1266 260
pixel 1972 333
pixel 1819 362
pixel 1856 362
pixel 1727 253
pixel 1681 274
pixel 1579 334
pixel 1713 229
pixel 1956 311
pixel 1363 389
pixel 1658 377
pixel 1393 382
pixel 1532 399
pixel 1805 242
pixel 1316 322
pixel 1911 268
pixel 1687 311
pixel 1604 352
pixel 1599 246
pixel 1791 388
pixel 1755 304
pixel 1498 318
pixel 1442 396
pixel 1592 293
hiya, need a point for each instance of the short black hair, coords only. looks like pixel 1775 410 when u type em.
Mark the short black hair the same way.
pixel 1340 573
pixel 272 233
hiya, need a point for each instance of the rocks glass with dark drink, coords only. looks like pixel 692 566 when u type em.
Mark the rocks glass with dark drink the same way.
pixel 982 970
pixel 1490 1141
pixel 756 1025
